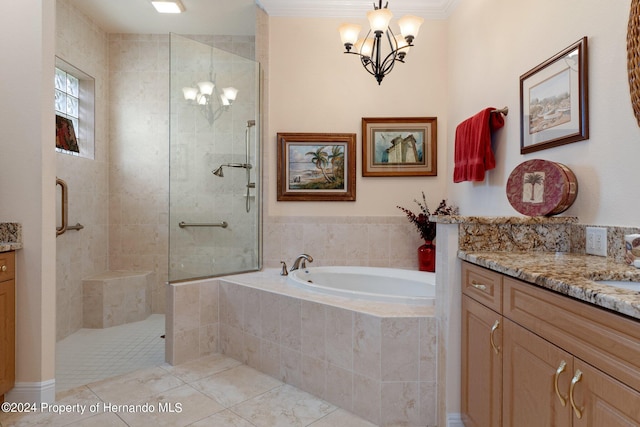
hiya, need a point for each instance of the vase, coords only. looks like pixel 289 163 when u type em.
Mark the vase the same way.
pixel 427 256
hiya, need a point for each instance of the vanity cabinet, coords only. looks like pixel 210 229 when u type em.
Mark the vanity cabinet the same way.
pixel 7 322
pixel 562 362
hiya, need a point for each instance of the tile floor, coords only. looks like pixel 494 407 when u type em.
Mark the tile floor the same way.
pixel 90 355
pixel 212 391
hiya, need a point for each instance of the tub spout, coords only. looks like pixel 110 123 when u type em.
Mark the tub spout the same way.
pixel 301 261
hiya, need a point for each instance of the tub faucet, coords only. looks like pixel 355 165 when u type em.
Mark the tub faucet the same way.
pixel 301 261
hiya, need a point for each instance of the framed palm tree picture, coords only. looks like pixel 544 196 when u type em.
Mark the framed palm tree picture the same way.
pixel 316 166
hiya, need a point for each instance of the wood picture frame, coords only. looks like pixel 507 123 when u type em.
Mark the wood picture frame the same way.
pixel 316 166
pixel 554 108
pixel 400 146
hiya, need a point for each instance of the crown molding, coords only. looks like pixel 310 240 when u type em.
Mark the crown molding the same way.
pixel 427 9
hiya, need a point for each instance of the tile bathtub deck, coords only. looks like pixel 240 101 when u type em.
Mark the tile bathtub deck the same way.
pixel 211 391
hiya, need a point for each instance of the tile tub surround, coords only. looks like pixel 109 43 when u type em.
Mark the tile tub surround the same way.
pixel 377 360
pixel 116 297
pixel 10 236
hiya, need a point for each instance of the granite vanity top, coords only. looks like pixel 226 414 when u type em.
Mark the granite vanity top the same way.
pixel 10 236
pixel 569 274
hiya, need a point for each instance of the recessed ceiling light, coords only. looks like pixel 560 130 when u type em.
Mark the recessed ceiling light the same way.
pixel 168 6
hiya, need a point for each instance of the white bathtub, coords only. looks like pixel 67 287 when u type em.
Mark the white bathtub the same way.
pixel 368 283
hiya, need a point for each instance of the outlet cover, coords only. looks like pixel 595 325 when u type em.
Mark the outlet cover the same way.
pixel 596 243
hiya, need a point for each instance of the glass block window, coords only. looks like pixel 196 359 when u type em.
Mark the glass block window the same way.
pixel 74 100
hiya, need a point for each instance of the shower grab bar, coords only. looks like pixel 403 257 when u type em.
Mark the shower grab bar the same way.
pixel 64 211
pixel 63 208
pixel 223 224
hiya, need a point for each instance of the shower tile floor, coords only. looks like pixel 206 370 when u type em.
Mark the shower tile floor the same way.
pixel 211 391
pixel 90 355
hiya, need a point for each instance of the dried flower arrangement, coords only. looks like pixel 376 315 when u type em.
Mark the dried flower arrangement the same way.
pixel 427 228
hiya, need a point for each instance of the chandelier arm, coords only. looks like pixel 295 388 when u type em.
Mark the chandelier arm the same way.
pixel 366 62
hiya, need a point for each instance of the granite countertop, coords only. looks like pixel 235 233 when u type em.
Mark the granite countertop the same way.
pixel 10 236
pixel 569 274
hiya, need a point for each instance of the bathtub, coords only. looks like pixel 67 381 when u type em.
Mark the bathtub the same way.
pixel 368 283
pixel 377 360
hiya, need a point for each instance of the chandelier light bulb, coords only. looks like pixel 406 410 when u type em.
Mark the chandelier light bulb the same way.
pixel 190 93
pixel 403 46
pixel 379 19
pixel 225 101
pixel 230 93
pixel 201 99
pixel 206 88
pixel 410 26
pixel 349 34
pixel 367 48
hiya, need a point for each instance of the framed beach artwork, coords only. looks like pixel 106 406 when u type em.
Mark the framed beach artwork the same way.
pixel 554 101
pixel 405 146
pixel 316 166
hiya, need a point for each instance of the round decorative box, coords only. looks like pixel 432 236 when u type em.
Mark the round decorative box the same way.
pixel 541 188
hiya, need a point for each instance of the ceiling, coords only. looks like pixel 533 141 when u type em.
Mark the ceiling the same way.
pixel 237 17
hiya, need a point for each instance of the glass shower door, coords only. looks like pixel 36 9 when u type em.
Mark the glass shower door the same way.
pixel 214 188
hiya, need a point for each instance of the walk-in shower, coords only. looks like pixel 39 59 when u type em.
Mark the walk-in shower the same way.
pixel 214 222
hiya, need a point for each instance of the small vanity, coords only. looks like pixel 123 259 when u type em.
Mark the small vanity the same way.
pixel 545 340
pixel 555 348
pixel 10 238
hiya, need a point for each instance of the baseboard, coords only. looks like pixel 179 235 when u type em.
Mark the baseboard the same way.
pixel 40 392
pixel 454 420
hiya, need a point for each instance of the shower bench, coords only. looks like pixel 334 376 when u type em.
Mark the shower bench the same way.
pixel 116 297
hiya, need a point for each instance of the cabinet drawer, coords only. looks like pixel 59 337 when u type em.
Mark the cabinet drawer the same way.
pixel 483 285
pixel 7 266
pixel 606 340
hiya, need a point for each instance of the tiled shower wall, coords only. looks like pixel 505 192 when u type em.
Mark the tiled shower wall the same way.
pixel 82 253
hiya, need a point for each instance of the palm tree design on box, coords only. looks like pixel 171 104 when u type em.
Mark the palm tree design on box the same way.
pixel 529 193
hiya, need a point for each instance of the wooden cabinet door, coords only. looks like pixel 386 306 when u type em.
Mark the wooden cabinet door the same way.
pixel 7 335
pixel 601 400
pixel 532 369
pixel 481 365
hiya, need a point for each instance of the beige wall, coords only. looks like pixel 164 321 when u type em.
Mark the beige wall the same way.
pixel 314 87
pixel 492 43
pixel 27 177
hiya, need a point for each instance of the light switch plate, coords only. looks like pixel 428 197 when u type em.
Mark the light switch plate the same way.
pixel 596 241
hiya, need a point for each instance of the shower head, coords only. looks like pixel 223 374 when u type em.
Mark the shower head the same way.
pixel 218 172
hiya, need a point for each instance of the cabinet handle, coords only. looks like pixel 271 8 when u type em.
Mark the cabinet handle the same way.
pixel 561 368
pixel 479 286
pixel 495 326
pixel 576 378
pixel 3 268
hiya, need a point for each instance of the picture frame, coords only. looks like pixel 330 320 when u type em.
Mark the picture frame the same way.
pixel 400 146
pixel 554 100
pixel 316 166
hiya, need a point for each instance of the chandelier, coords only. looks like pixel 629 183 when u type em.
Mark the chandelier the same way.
pixel 372 51
pixel 209 99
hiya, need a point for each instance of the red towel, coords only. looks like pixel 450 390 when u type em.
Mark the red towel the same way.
pixel 473 155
